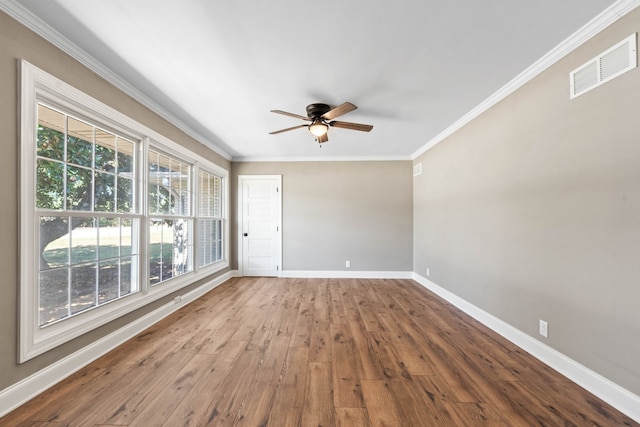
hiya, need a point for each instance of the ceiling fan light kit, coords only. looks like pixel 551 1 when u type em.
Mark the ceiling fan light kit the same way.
pixel 317 128
pixel 321 116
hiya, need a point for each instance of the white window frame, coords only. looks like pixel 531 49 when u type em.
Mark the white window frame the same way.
pixel 223 174
pixel 162 144
pixel 223 214
pixel 190 216
pixel 37 85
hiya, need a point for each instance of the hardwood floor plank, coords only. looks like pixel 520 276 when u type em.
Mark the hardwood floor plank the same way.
pixel 168 398
pixel 347 393
pixel 453 368
pixel 319 343
pixel 337 312
pixel 123 401
pixel 227 402
pixel 285 321
pixel 521 408
pixel 304 322
pixel 413 407
pixel 261 392
pixel 193 406
pixel 259 401
pixel 411 358
pixel 52 398
pixel 570 402
pixel 257 406
pixel 380 404
pixel 352 417
pixel 369 306
pixel 346 386
pixel 321 300
pixel 369 366
pixel 391 327
pixel 252 313
pixel 318 409
pixel 345 289
pixel 40 424
pixel 104 385
pixel 217 339
pixel 482 414
pixel 438 399
pixel 310 352
pixel 289 398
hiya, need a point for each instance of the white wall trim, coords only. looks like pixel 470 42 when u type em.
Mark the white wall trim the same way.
pixel 590 29
pixel 324 159
pixel 344 274
pixel 616 396
pixel 35 24
pixel 25 390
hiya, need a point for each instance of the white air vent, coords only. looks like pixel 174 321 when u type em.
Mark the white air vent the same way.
pixel 610 64
pixel 417 169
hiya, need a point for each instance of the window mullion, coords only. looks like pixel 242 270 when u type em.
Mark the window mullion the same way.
pixel 143 204
pixel 195 203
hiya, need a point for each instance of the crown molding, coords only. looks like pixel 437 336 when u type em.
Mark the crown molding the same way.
pixel 590 29
pixel 323 159
pixel 35 24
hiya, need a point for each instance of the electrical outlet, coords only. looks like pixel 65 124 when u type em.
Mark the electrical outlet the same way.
pixel 544 329
pixel 177 299
pixel 347 264
pixel 427 271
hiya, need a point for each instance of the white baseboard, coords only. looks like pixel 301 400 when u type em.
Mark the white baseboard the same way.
pixel 616 396
pixel 347 274
pixel 25 390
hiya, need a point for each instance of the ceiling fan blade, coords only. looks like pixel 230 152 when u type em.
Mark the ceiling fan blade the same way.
pixel 291 114
pixel 323 138
pixel 338 111
pixel 352 126
pixel 287 129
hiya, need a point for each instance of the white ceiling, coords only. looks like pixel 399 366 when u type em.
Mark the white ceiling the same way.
pixel 413 67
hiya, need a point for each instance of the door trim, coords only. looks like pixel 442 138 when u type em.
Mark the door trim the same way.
pixel 240 194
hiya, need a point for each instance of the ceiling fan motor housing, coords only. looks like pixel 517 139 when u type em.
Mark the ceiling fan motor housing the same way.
pixel 317 110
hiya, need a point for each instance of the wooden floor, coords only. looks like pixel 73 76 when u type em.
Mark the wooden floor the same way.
pixel 317 352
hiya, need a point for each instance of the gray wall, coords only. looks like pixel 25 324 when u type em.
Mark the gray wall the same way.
pixel 16 42
pixel 532 211
pixel 338 211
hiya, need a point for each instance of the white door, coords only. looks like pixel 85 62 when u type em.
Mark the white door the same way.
pixel 260 224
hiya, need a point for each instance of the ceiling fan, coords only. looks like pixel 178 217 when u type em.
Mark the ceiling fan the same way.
pixel 321 117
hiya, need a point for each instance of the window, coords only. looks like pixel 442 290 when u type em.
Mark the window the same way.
pixel 84 207
pixel 210 219
pixel 170 225
pixel 109 210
